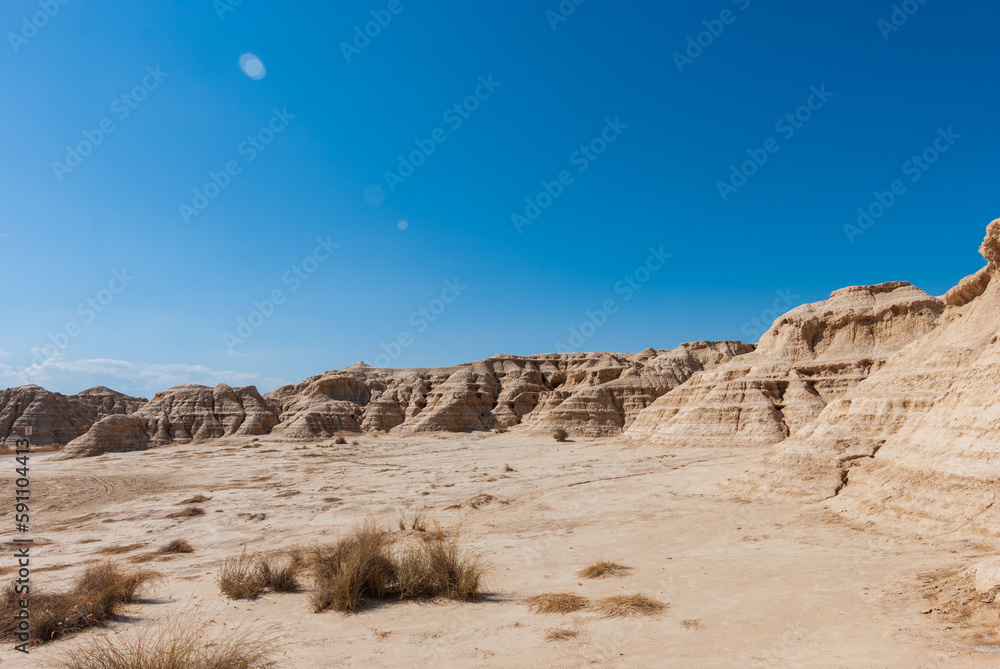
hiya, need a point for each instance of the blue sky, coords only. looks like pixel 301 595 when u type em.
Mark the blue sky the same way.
pixel 572 200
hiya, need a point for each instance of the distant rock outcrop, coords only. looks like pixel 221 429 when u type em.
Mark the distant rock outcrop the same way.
pixel 113 434
pixel 57 419
pixel 810 356
pixel 588 394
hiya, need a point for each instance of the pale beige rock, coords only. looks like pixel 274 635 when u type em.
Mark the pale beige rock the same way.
pixel 809 357
pixel 112 434
pixel 192 413
pixel 917 444
pixel 584 393
pixel 57 419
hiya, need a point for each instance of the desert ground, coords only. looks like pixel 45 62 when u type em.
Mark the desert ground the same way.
pixel 748 583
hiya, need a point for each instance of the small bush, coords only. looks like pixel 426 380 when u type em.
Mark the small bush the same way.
pixel 560 434
pixel 604 569
pixel 629 606
pixel 173 647
pixel 365 565
pixel 560 602
pixel 177 546
pixel 241 577
pixel 340 441
pixel 188 512
pixel 560 635
pixel 281 575
pixel 95 597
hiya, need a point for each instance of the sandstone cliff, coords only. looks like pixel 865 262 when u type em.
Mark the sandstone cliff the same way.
pixel 919 440
pixel 585 393
pixel 810 357
pixel 56 418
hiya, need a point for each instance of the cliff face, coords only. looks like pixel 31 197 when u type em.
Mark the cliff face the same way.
pixel 57 418
pixel 585 393
pixel 919 440
pixel 810 357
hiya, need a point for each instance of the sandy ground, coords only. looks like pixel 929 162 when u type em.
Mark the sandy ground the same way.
pixel 749 584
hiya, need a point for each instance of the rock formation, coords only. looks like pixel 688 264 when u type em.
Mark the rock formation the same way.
pixel 589 394
pixel 56 418
pixel 919 439
pixel 810 357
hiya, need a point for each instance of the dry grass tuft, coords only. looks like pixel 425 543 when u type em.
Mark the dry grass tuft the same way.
pixel 241 577
pixel 691 623
pixel 197 499
pixel 559 434
pixel 558 602
pixel 177 546
pixel 176 646
pixel 95 597
pixel 604 569
pixel 281 574
pixel 340 441
pixel 560 635
pixel 629 606
pixel 118 550
pixel 187 512
pixel 365 565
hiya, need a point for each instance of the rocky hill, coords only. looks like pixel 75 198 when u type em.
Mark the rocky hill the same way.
pixel 56 418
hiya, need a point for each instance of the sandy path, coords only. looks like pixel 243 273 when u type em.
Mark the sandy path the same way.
pixel 760 585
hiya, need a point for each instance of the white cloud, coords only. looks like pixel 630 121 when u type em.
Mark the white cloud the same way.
pixel 3 353
pixel 71 376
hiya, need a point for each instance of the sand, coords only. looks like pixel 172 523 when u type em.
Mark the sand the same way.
pixel 748 583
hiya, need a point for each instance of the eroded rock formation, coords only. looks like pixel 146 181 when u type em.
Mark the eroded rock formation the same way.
pixel 56 418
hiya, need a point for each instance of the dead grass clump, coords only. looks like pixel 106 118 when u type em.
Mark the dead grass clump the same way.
pixel 187 512
pixel 281 574
pixel 353 570
pixel 691 623
pixel 177 546
pixel 95 597
pixel 559 434
pixel 176 646
pixel 560 635
pixel 558 602
pixel 241 577
pixel 629 606
pixel 604 569
pixel 197 499
pixel 365 565
pixel 118 550
pixel 340 441
pixel 417 523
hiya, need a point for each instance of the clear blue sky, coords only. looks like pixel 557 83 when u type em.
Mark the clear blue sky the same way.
pixel 188 277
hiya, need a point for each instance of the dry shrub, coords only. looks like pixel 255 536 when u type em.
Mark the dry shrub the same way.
pixel 560 635
pixel 604 569
pixel 629 606
pixel 197 499
pixel 417 523
pixel 559 434
pixel 340 441
pixel 353 570
pixel 557 602
pixel 175 646
pixel 365 565
pixel 691 623
pixel 188 512
pixel 95 597
pixel 281 574
pixel 177 546
pixel 241 577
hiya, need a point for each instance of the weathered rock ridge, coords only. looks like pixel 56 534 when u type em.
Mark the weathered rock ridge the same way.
pixel 919 440
pixel 56 418
pixel 808 358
